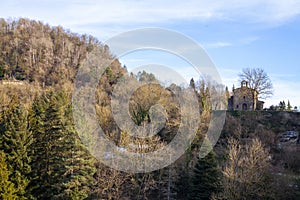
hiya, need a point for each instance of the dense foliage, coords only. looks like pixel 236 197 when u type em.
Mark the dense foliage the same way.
pixel 206 178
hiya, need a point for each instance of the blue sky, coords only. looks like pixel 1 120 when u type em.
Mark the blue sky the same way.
pixel 235 34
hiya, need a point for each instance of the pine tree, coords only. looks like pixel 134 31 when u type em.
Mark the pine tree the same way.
pixel 205 181
pixel 7 190
pixel 15 142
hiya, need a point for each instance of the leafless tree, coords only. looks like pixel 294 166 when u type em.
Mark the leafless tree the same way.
pixel 258 79
pixel 246 171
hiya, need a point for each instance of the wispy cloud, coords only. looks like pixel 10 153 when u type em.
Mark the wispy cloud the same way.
pixel 134 11
pixel 248 40
pixel 131 12
pixel 217 44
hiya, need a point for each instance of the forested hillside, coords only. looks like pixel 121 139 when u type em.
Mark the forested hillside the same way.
pixel 42 156
pixel 33 51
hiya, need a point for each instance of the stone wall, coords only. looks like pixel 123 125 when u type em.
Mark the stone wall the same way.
pixel 244 98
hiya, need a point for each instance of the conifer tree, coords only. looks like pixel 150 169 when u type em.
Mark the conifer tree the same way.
pixel 205 181
pixel 39 154
pixel 192 84
pixel 289 107
pixel 15 141
pixel 7 190
pixel 62 167
pixel 80 165
pixel 283 106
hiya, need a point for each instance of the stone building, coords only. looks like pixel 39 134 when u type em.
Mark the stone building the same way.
pixel 244 98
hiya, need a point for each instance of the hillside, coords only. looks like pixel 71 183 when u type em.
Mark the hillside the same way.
pixel 37 52
pixel 272 128
pixel 43 157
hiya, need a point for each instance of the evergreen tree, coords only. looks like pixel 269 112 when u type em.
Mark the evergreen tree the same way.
pixel 15 141
pixel 192 84
pixel 80 165
pixel 289 107
pixel 7 190
pixel 39 163
pixel 62 167
pixel 227 94
pixel 205 181
pixel 297 188
pixel 283 106
pixel 280 105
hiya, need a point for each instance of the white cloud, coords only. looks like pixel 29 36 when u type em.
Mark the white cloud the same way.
pixel 154 11
pixel 248 40
pixel 131 12
pixel 217 44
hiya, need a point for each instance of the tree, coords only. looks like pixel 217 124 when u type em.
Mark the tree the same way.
pixel 7 189
pixel 227 94
pixel 61 168
pixel 289 107
pixel 15 140
pixel 109 183
pixel 246 175
pixel 192 84
pixel 205 181
pixel 282 105
pixel 297 183
pixel 258 79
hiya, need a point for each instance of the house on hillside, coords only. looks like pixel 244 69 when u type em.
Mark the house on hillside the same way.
pixel 244 98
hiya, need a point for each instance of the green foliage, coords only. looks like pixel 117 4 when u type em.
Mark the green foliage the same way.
pixel 15 142
pixel 297 187
pixel 62 167
pixel 205 181
pixel 289 106
pixel 282 105
pixel 2 72
pixel 7 190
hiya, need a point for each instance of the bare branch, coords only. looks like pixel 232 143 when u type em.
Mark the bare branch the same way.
pixel 258 80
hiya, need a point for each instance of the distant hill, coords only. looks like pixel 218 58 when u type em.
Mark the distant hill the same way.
pixel 37 52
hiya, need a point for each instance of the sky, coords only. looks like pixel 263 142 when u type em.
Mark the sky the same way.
pixel 235 34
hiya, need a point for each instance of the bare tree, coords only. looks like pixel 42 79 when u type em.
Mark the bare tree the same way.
pixel 258 79
pixel 246 173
